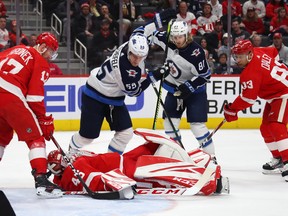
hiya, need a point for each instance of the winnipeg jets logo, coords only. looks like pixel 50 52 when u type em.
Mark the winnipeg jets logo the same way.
pixel 174 70
pixel 196 52
pixel 132 73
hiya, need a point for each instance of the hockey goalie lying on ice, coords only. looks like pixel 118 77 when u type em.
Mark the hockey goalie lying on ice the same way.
pixel 157 164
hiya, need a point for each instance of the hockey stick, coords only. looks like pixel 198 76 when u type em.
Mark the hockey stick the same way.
pixel 165 191
pixel 162 79
pixel 95 195
pixel 212 133
pixel 169 119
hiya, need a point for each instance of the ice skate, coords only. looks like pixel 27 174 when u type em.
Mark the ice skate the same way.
pixel 285 172
pixel 273 167
pixel 223 185
pixel 45 188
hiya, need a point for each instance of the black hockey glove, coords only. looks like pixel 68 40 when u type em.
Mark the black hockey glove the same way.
pixel 159 73
pixel 184 90
pixel 164 17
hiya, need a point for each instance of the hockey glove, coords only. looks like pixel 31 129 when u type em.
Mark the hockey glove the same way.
pixel 230 114
pixel 47 126
pixel 164 17
pixel 159 73
pixel 184 90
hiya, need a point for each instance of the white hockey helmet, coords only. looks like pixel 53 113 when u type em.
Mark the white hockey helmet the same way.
pixel 178 28
pixel 138 45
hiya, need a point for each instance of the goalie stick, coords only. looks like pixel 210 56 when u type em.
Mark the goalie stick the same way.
pixel 109 195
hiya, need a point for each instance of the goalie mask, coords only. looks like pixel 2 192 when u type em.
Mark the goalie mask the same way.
pixel 56 164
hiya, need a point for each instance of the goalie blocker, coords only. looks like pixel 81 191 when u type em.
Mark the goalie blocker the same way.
pixel 157 163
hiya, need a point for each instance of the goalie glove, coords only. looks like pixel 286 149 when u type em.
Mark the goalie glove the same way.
pixel 156 75
pixel 229 113
pixel 117 181
pixel 46 125
pixel 164 17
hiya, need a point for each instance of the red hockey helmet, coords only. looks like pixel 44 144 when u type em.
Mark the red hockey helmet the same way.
pixel 55 162
pixel 242 47
pixel 49 39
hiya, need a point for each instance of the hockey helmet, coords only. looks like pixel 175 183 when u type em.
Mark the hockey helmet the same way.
pixel 179 28
pixel 49 39
pixel 138 45
pixel 55 162
pixel 242 47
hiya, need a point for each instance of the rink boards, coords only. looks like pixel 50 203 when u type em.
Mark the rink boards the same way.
pixel 63 100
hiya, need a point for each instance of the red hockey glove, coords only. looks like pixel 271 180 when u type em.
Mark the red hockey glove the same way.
pixel 230 114
pixel 47 126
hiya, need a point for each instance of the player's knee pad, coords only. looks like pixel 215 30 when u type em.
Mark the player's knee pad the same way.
pixel 278 130
pixel 38 143
pixel 120 140
pixel 169 129
pixel 78 141
pixel 37 149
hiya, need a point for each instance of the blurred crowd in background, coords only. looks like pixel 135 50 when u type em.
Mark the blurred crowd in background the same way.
pixel 96 24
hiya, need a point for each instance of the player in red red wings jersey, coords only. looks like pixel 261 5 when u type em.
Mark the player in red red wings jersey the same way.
pixel 23 72
pixel 263 76
pixel 159 162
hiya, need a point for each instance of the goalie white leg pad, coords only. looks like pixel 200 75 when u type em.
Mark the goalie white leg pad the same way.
pixel 172 173
pixel 41 192
pixel 120 140
pixel 167 147
pixel 200 157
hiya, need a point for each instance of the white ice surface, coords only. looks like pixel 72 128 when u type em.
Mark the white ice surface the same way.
pixel 241 154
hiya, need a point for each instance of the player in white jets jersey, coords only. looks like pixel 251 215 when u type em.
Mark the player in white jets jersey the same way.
pixel 186 82
pixel 105 91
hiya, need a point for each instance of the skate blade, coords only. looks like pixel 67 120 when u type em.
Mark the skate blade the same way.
pixel 272 172
pixel 41 192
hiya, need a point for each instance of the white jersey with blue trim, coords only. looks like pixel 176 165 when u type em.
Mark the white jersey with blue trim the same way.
pixel 187 63
pixel 116 77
